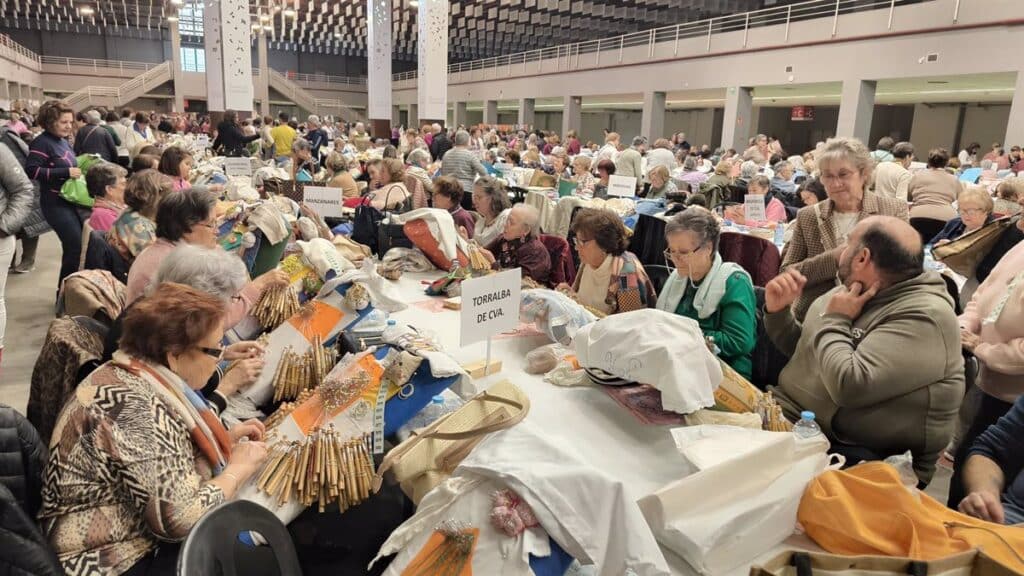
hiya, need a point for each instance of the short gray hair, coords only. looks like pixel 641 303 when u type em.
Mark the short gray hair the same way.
pixel 211 270
pixel 782 165
pixel 301 144
pixel 418 155
pixel 461 138
pixel 313 119
pixel 690 163
pixel 698 220
pixel 531 217
pixel 639 141
pixel 762 181
pixel 749 169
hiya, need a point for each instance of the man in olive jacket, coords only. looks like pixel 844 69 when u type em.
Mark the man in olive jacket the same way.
pixel 878 358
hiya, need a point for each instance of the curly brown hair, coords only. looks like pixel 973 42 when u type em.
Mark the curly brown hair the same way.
pixel 603 227
pixel 144 191
pixel 449 187
pixel 395 170
pixel 50 112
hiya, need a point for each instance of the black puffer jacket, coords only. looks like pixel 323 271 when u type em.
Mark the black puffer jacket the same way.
pixel 23 549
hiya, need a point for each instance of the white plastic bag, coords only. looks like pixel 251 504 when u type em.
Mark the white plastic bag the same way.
pixel 741 501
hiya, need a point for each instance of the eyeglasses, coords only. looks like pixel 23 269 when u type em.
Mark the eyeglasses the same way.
pixel 216 353
pixel 971 212
pixel 580 243
pixel 210 225
pixel 672 254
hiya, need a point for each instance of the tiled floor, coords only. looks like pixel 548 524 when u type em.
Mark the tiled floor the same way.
pixel 30 299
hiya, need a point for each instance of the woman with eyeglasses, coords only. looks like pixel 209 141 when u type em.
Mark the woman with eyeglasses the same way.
pixel 187 217
pixel 610 279
pixel 820 231
pixel 137 457
pixel 718 295
pixel 974 206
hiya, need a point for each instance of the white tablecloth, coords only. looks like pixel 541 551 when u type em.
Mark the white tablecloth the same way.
pixel 603 433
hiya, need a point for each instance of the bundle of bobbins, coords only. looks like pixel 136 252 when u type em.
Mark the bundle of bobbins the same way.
pixel 297 372
pixel 276 305
pixel 285 409
pixel 322 468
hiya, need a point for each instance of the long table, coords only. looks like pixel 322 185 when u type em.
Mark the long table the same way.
pixel 643 457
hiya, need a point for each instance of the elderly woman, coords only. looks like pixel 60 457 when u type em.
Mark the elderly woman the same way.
pixel 774 210
pixel 782 181
pixel 186 217
pixel 662 185
pixel 610 279
pixel 339 176
pixel 519 247
pixel 418 160
pixel 690 174
pixel 974 206
pixel 717 186
pixel 447 195
pixel 492 204
pixel 106 183
pixel 531 158
pixel 51 162
pixel 718 295
pixel 933 191
pixel 585 181
pixel 1008 197
pixel 176 162
pixel 819 234
pixel 135 229
pixel 302 167
pixel 392 191
pixel 408 142
pixel 559 167
pixel 137 457
pixel 605 170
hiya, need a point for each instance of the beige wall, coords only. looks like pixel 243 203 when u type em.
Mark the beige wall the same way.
pixel 934 127
pixel 986 124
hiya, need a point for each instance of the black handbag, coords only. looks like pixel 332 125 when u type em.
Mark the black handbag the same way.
pixel 366 225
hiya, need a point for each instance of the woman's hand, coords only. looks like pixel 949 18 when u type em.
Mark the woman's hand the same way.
pixel 465 234
pixel 75 172
pixel 252 429
pixel 487 254
pixel 243 350
pixel 270 279
pixel 969 340
pixel 243 374
pixel 246 459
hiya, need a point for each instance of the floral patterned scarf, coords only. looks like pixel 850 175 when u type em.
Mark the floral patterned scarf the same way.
pixel 131 233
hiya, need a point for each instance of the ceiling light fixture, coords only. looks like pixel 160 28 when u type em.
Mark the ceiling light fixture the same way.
pixel 268 28
pixel 86 10
pixel 177 2
pixel 264 17
pixel 414 3
pixel 172 18
pixel 290 12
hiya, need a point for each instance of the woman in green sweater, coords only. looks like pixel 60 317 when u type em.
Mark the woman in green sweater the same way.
pixel 718 295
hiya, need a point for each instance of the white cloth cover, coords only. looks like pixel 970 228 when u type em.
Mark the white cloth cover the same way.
pixel 240 188
pixel 441 226
pixel 323 257
pixel 590 515
pixel 654 347
pixel 545 209
pixel 562 217
pixel 741 501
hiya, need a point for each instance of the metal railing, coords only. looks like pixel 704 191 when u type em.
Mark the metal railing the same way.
pixel 123 93
pixel 610 50
pixel 14 51
pixel 72 65
pixel 325 78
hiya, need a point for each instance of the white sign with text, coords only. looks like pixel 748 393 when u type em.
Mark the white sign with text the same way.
pixel 622 186
pixel 490 305
pixel 203 141
pixel 753 208
pixel 324 201
pixel 237 167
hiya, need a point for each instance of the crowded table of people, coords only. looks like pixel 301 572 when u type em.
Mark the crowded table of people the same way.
pixel 714 357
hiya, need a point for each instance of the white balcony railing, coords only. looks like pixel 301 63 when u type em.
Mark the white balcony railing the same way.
pixel 71 65
pixel 568 57
pixel 18 53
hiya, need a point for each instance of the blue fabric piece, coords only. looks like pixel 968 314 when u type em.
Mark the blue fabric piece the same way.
pixel 650 207
pixel 218 178
pixel 1003 443
pixel 971 175
pixel 557 564
pixel 398 411
pixel 630 221
pixel 344 229
pixel 250 253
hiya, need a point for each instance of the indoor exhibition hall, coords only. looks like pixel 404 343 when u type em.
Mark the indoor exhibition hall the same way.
pixel 511 288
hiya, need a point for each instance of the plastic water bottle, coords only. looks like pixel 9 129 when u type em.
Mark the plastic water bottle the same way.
pixel 423 418
pixel 375 321
pixel 806 427
pixel 391 331
pixel 780 236
pixel 929 261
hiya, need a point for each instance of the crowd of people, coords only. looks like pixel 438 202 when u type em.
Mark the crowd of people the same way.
pixel 873 342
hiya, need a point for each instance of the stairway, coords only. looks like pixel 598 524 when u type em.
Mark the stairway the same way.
pixel 303 99
pixel 117 96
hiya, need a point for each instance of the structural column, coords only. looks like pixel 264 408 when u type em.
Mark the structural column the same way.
pixel 264 67
pixel 739 103
pixel 378 34
pixel 228 41
pixel 396 115
pixel 459 118
pixel 491 112
pixel 1015 124
pixel 414 117
pixel 176 71
pixel 526 111
pixel 5 95
pixel 432 56
pixel 572 114
pixel 856 106
pixel 652 121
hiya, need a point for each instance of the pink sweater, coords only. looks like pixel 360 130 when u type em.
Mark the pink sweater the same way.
pixel 996 314
pixel 103 215
pixel 146 264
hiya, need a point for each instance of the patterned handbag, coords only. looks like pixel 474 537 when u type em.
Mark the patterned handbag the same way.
pixel 627 293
